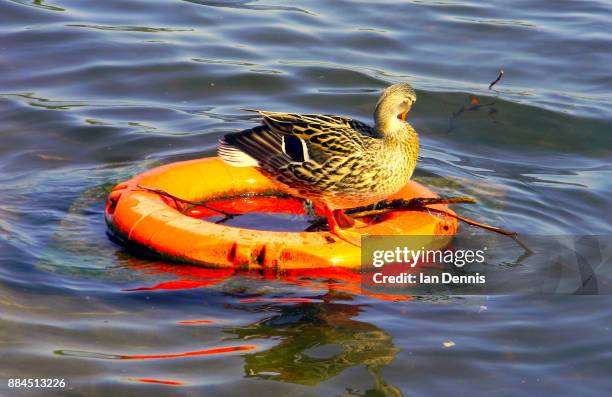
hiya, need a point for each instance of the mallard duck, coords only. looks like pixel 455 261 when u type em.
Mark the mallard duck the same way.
pixel 335 162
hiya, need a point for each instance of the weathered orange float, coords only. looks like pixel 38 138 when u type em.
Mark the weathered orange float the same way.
pixel 140 218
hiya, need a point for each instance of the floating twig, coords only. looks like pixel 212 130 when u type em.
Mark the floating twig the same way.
pixel 178 200
pixel 385 206
pixel 499 76
pixel 423 204
pixel 382 207
pixel 512 235
pixel 475 105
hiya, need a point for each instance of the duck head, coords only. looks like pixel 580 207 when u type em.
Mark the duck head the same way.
pixel 393 107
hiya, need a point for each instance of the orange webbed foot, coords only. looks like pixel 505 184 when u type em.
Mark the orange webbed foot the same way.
pixel 344 227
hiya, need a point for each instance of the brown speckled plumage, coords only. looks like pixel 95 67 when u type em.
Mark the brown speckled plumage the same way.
pixel 336 161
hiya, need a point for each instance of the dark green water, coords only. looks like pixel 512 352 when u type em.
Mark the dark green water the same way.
pixel 92 92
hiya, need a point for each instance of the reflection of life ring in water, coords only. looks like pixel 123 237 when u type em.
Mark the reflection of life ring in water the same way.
pixel 156 224
pixel 308 327
pixel 337 280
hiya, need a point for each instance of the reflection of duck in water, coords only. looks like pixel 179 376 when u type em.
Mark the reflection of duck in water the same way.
pixel 334 161
pixel 317 342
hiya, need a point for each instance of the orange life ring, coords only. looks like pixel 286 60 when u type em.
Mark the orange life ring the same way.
pixel 149 221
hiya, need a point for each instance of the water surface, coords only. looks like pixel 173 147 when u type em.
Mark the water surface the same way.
pixel 94 92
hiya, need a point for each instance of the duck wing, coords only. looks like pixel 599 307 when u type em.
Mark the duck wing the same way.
pixel 286 138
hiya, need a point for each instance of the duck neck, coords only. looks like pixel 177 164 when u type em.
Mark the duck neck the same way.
pixel 395 130
pixel 387 122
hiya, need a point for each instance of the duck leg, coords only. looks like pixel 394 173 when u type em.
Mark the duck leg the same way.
pixel 346 221
pixel 343 226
